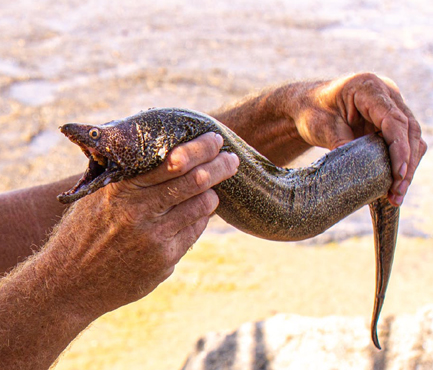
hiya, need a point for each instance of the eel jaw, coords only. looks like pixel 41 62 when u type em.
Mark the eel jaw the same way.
pixel 100 172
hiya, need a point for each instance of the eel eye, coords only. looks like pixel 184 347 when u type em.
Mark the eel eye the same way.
pixel 94 133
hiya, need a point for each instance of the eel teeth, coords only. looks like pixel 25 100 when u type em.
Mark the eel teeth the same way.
pixel 101 160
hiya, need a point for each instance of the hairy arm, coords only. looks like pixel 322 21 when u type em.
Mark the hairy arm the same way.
pixel 267 121
pixel 286 121
pixel 281 123
pixel 111 248
pixel 27 216
pixel 115 246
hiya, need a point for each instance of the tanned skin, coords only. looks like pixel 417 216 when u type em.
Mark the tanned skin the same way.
pixel 110 249
pixel 27 218
pixel 284 122
pixel 115 246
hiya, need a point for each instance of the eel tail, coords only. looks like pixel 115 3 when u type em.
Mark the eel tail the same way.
pixel 385 219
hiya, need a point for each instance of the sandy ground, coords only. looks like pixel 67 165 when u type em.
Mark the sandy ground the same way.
pixel 230 279
pixel 75 61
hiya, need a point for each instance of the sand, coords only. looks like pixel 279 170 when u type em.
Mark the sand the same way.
pixel 230 279
pixel 92 62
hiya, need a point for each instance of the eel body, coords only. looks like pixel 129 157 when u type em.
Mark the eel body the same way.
pixel 261 199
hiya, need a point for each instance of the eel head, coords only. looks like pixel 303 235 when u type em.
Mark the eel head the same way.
pixel 111 153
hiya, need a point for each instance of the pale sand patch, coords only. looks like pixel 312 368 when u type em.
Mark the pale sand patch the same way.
pixel 233 278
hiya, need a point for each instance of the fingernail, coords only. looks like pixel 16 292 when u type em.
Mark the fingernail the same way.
pixel 237 158
pixel 395 186
pixel 219 139
pixel 402 188
pixel 403 170
pixel 399 200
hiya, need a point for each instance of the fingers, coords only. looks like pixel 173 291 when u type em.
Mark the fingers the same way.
pixel 201 178
pixel 189 212
pixel 182 159
pixel 418 148
pixel 373 101
pixel 181 207
pixel 186 237
pixel 380 102
pixel 186 221
pixel 149 224
pixel 148 205
pixel 190 220
pixel 183 225
pixel 395 130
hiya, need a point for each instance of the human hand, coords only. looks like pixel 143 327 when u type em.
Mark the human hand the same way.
pixel 125 239
pixel 336 112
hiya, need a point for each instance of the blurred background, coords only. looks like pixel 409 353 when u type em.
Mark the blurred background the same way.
pixel 93 61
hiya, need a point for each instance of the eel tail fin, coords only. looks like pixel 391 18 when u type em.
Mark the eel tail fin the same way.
pixel 385 219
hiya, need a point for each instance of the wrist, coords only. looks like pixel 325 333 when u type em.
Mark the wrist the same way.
pixel 269 122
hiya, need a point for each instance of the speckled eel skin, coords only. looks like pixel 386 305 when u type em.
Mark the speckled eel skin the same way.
pixel 261 199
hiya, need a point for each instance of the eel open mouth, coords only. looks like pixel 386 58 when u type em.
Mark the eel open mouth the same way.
pixel 99 173
pixel 98 166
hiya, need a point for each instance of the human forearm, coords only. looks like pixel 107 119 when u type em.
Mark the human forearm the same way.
pixel 267 121
pixel 46 301
pixel 284 122
pixel 111 248
pixel 38 316
pixel 26 218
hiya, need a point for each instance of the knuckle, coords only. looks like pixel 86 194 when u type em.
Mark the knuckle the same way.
pixel 228 163
pixel 211 144
pixel 194 231
pixel 200 179
pixel 391 84
pixel 399 116
pixel 208 201
pixel 166 273
pixel 156 206
pixel 198 228
pixel 124 214
pixel 372 82
pixel 130 218
pixel 368 80
pixel 395 115
pixel 177 160
pixel 369 77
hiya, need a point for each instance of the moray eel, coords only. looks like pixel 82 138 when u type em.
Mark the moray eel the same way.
pixel 261 199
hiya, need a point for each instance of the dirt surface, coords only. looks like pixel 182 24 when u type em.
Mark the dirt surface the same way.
pixel 232 278
pixel 95 61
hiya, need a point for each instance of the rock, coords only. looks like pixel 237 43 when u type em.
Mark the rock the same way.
pixel 295 342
